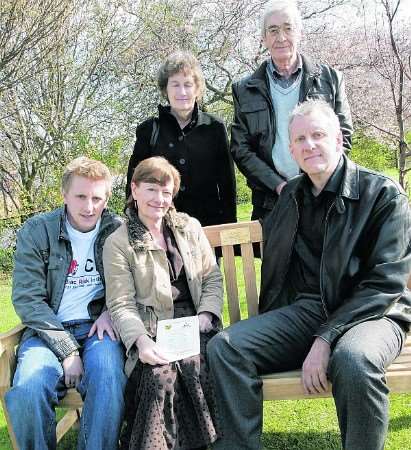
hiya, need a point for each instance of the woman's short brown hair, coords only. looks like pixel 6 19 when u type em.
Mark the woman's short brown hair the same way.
pixel 155 170
pixel 178 62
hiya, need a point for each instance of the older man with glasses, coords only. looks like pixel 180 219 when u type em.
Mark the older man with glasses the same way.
pixel 264 100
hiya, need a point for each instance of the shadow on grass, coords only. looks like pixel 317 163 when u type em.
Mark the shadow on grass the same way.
pixel 316 440
pixel 301 441
pixel 400 423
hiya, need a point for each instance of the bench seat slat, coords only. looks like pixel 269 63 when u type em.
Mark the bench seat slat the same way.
pixel 404 359
pixel 287 385
pixel 71 400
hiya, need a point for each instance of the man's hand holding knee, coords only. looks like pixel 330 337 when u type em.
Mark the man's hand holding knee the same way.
pixel 73 370
pixel 314 377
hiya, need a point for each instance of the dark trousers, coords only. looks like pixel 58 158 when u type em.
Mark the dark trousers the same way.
pixel 279 340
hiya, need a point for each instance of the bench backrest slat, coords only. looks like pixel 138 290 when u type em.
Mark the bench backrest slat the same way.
pixel 243 235
pixel 250 279
pixel 231 283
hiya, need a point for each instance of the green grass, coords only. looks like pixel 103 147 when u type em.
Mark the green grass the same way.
pixel 244 212
pixel 288 425
pixel 8 317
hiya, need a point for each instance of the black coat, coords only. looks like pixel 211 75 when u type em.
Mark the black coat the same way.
pixel 253 130
pixel 200 153
pixel 366 259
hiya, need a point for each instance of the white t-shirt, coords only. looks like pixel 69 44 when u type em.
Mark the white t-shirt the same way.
pixel 83 282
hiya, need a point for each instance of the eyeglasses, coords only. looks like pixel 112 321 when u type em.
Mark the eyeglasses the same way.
pixel 286 29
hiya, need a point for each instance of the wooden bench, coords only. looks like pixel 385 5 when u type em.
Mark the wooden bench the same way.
pixel 280 386
pixel 284 385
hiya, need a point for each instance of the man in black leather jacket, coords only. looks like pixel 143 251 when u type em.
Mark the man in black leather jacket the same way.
pixel 334 296
pixel 263 101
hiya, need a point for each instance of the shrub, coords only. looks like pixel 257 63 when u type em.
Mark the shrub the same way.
pixel 243 191
pixel 118 197
pixel 6 260
pixel 370 153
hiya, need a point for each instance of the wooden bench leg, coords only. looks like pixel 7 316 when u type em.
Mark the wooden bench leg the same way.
pixel 70 418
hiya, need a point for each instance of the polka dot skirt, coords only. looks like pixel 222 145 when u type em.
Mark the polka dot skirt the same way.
pixel 171 406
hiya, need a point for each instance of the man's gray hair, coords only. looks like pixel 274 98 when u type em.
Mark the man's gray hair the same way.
pixel 281 6
pixel 315 107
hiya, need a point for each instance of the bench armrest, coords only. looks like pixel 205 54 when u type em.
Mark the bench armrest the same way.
pixel 8 342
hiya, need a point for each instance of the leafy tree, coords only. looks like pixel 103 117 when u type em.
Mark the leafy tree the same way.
pixel 382 81
pixel 26 24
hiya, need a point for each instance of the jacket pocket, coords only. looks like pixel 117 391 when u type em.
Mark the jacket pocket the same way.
pixel 253 107
pixel 148 317
pixel 257 116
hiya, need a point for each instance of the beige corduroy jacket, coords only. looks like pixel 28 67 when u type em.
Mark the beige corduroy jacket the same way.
pixel 138 287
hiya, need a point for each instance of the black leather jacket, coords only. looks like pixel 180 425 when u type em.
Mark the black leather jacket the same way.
pixel 253 129
pixel 366 257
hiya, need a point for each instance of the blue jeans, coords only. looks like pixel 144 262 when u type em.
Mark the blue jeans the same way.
pixel 38 385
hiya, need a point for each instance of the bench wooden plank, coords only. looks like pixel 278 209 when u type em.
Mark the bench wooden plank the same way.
pixel 236 231
pixel 231 283
pixel 65 423
pixel 72 400
pixel 287 385
pixel 398 367
pixel 249 279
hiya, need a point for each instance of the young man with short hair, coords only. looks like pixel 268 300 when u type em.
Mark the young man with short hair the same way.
pixel 58 293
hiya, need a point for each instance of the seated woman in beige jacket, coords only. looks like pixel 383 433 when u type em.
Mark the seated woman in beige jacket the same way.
pixel 159 265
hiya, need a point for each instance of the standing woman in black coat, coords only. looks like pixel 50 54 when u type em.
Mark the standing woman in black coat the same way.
pixel 194 141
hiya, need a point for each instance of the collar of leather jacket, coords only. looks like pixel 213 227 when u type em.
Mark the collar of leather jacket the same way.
pixel 258 78
pixel 349 187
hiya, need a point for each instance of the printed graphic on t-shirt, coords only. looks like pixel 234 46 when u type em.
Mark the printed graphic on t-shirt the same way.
pixel 85 278
pixel 73 268
pixel 83 281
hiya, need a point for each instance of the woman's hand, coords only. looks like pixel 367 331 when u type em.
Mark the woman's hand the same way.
pixel 205 320
pixel 148 352
pixel 104 325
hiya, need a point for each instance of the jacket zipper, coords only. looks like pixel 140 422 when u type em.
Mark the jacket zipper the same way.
pixel 308 84
pixel 322 260
pixel 291 247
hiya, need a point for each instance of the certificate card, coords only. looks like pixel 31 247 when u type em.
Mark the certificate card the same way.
pixel 179 338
